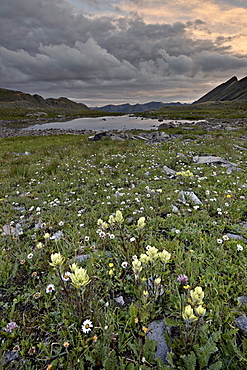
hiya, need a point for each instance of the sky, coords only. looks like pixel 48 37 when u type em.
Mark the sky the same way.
pixel 102 52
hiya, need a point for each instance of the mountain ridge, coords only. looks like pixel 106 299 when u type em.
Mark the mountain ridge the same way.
pixel 37 101
pixel 231 90
pixel 135 108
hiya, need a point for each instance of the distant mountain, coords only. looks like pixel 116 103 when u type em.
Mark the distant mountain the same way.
pixel 136 108
pixel 230 90
pixel 25 100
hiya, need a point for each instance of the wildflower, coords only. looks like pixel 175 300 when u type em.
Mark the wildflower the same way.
pixel 183 279
pixel 79 277
pixel 34 274
pixel 225 237
pixel 50 288
pixel 36 295
pixel 30 256
pixel 86 238
pixel 66 344
pixel 95 338
pixel 188 314
pixel 145 293
pixel 200 311
pixel 141 223
pixel 111 271
pixel 66 276
pixel 111 264
pixel 134 257
pixel 124 264
pixel 57 260
pixel 144 258
pixel 186 287
pixel 196 296
pixel 119 217
pixel 46 236
pixel 49 367
pixel 239 247
pixel 164 256
pixel 32 350
pixel 144 329
pixel 11 326
pixel 137 267
pixel 16 348
pixel 219 241
pixel 136 320
pixel 22 262
pixel 39 245
pixel 157 281
pixel 132 239
pixel 111 220
pixel 86 326
pixel 61 223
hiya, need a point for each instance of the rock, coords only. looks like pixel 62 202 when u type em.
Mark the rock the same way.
pixel 174 208
pixel 182 156
pixel 98 136
pixel 17 154
pixel 9 357
pixel 191 195
pixel 82 257
pixel 155 332
pixel 168 170
pixel 120 301
pixel 211 159
pixel 168 124
pixel 57 235
pixel 236 236
pixel 241 322
pixel 239 147
pixel 242 300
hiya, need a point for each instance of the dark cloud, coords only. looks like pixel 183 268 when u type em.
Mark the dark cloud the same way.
pixel 52 47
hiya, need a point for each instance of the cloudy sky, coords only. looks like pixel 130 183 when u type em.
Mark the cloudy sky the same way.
pixel 118 51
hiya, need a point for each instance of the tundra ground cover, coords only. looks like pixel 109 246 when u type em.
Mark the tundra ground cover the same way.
pixel 97 242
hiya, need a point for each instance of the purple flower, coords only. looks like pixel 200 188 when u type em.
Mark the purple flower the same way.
pixel 183 279
pixel 11 326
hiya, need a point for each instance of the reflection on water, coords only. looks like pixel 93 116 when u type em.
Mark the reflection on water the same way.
pixel 101 123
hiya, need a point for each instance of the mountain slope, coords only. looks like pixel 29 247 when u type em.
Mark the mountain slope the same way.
pixel 136 108
pixel 231 90
pixel 25 100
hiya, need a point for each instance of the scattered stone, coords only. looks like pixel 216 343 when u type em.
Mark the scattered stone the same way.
pixel 191 195
pixel 168 170
pixel 239 147
pixel 20 209
pixel 120 301
pixel 182 156
pixel 98 136
pixel 9 357
pixel 211 159
pixel 25 153
pixel 241 322
pixel 155 332
pixel 242 300
pixel 57 235
pixel 174 208
pixel 236 236
pixel 11 230
pixel 82 257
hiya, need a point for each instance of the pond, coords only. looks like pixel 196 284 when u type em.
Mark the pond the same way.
pixel 120 123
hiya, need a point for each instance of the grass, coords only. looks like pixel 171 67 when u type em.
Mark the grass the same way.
pixel 203 111
pixel 51 203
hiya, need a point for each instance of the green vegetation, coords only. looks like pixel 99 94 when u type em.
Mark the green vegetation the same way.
pixel 209 110
pixel 93 250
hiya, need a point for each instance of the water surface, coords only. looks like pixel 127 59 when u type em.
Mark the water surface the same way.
pixel 103 123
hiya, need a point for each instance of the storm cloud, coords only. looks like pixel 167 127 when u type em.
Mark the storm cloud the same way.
pixel 56 48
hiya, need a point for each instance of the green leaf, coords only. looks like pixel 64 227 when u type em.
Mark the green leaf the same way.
pixel 189 361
